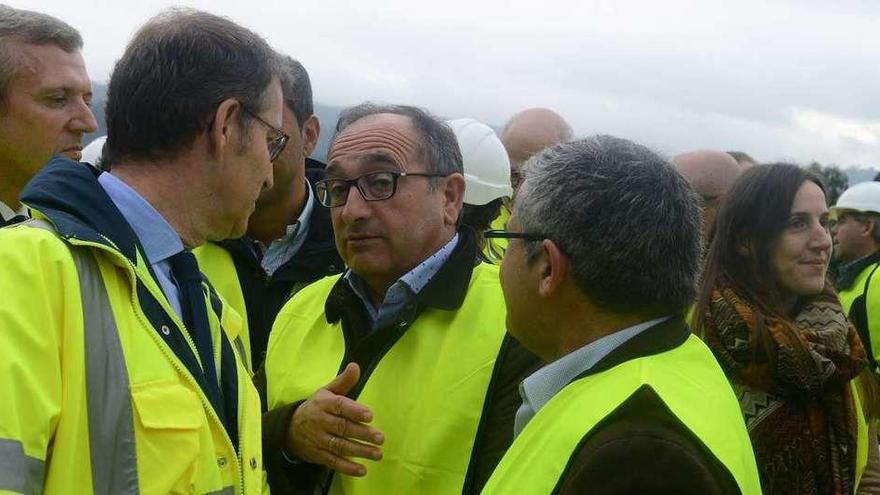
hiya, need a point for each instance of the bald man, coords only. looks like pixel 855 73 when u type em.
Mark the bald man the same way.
pixel 710 173
pixel 529 132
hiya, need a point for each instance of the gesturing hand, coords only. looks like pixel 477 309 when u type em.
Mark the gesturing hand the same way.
pixel 329 428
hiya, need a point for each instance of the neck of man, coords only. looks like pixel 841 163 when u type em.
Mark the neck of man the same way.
pixel 10 189
pixel 867 249
pixel 377 286
pixel 578 323
pixel 166 188
pixel 270 219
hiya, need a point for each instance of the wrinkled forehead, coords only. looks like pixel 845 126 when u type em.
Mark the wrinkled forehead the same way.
pixel 375 142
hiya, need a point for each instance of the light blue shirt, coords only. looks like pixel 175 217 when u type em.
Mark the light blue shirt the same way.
pixel 539 387
pixel 404 289
pixel 159 240
pixel 281 250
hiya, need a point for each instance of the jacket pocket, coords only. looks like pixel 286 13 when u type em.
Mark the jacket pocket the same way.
pixel 169 422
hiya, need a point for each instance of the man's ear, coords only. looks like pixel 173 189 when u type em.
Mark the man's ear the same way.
pixel 453 193
pixel 225 130
pixel 868 227
pixel 311 131
pixel 554 268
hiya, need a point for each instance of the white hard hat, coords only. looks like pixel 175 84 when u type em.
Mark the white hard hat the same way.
pixel 863 197
pixel 486 165
pixel 92 152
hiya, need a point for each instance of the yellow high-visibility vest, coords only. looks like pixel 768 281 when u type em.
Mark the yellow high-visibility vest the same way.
pixel 689 381
pixel 426 393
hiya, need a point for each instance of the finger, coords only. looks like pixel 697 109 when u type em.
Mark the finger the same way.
pixel 342 447
pixel 341 427
pixel 342 406
pixel 343 465
pixel 346 380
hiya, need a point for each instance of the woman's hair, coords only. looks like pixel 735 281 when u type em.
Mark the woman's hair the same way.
pixel 478 218
pixel 753 215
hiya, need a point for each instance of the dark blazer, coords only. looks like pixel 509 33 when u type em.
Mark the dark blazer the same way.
pixel 642 448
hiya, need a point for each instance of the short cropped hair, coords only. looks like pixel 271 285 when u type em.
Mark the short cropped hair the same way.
pixel 626 219
pixel 174 73
pixel 32 28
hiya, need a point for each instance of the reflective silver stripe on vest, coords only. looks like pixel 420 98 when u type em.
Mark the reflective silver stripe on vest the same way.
pixel 223 491
pixel 19 472
pixel 111 429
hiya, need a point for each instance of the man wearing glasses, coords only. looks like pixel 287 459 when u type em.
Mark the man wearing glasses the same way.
pixel 600 269
pixel 289 240
pixel 397 375
pixel 121 370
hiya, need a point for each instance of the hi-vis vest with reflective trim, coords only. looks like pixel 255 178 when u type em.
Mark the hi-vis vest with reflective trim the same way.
pixel 94 401
pixel 688 380
pixel 426 394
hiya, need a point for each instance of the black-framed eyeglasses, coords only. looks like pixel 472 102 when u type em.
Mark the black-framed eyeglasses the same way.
pixel 375 186
pixel 276 140
pixel 504 234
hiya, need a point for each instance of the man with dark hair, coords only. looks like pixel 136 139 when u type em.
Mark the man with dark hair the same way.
pixel 122 370
pixel 601 266
pixel 45 95
pixel 289 241
pixel 397 374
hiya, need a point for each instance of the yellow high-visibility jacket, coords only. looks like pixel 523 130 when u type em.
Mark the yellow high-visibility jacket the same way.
pixel 95 366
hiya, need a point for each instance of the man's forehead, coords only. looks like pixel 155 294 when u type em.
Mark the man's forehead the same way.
pixel 375 138
pixel 45 66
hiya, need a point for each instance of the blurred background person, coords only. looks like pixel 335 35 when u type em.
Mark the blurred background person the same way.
pixel 487 181
pixel 529 132
pixel 775 324
pixel 744 159
pixel 710 173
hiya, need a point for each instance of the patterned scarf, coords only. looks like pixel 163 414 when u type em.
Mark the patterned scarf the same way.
pixel 791 377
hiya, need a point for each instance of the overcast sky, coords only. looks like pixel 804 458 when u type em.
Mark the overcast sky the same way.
pixel 796 80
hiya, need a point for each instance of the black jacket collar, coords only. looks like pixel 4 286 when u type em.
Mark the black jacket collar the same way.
pixel 661 337
pixel 447 290
pixel 69 195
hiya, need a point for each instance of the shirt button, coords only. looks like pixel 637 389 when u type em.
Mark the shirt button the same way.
pixel 221 462
pixel 253 463
pixel 165 330
pixel 403 324
pixel 331 268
